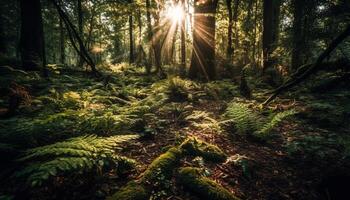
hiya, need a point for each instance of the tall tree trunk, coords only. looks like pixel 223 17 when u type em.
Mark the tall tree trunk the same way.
pixel 203 51
pixel 235 20
pixel 81 30
pixel 255 30
pixel 131 40
pixel 2 33
pixel 298 42
pixel 62 48
pixel 229 50
pixel 183 38
pixel 150 36
pixel 271 12
pixel 32 35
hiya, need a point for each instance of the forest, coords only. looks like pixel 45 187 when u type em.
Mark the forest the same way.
pixel 175 99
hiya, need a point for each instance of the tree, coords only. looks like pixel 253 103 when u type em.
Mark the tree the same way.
pixel 203 50
pixel 131 37
pixel 271 13
pixel 183 38
pixel 32 35
pixel 62 41
pixel 80 30
pixel 298 36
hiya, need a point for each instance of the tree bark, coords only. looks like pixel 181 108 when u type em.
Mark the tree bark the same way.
pixel 183 38
pixel 32 35
pixel 150 36
pixel 203 50
pixel 271 12
pixel 62 46
pixel 229 31
pixel 131 39
pixel 298 38
pixel 81 30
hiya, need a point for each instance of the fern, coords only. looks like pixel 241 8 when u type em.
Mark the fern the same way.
pixel 244 119
pixel 203 121
pixel 277 119
pixel 76 155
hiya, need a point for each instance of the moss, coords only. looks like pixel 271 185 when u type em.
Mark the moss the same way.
pixel 132 191
pixel 209 152
pixel 202 187
pixel 164 165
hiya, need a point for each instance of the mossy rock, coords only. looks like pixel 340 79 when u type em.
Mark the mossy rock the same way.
pixel 164 164
pixel 132 191
pixel 209 152
pixel 201 186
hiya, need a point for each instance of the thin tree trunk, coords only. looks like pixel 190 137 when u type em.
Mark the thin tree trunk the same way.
pixel 80 29
pixel 150 37
pixel 131 39
pixel 62 47
pixel 229 50
pixel 235 20
pixel 298 42
pixel 183 38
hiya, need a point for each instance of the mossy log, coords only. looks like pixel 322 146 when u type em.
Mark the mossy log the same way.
pixel 209 152
pixel 165 165
pixel 132 191
pixel 201 186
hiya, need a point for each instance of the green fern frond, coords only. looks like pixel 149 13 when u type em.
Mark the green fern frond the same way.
pixel 76 155
pixel 244 119
pixel 276 120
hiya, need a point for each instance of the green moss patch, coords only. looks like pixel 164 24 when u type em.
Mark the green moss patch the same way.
pixel 209 152
pixel 132 191
pixel 202 187
pixel 164 165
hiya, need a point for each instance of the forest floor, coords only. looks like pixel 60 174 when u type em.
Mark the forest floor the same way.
pixel 291 162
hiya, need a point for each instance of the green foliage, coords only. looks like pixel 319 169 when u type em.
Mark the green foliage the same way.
pixel 76 155
pixel 205 188
pixel 247 121
pixel 203 121
pixel 209 152
pixel 276 119
pixel 178 89
pixel 320 147
pixel 132 191
pixel 164 165
pixel 222 89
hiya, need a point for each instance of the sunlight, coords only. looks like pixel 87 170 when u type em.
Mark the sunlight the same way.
pixel 175 13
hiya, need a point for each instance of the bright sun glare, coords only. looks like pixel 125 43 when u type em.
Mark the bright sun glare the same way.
pixel 175 13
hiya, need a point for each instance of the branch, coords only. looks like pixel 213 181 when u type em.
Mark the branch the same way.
pixel 314 68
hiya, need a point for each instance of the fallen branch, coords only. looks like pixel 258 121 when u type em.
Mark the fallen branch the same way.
pixel 305 73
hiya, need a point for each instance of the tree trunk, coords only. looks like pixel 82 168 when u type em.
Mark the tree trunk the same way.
pixel 235 20
pixel 81 30
pixel 150 36
pixel 2 33
pixel 183 39
pixel 203 51
pixel 62 48
pixel 32 35
pixel 131 40
pixel 229 31
pixel 271 12
pixel 298 41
